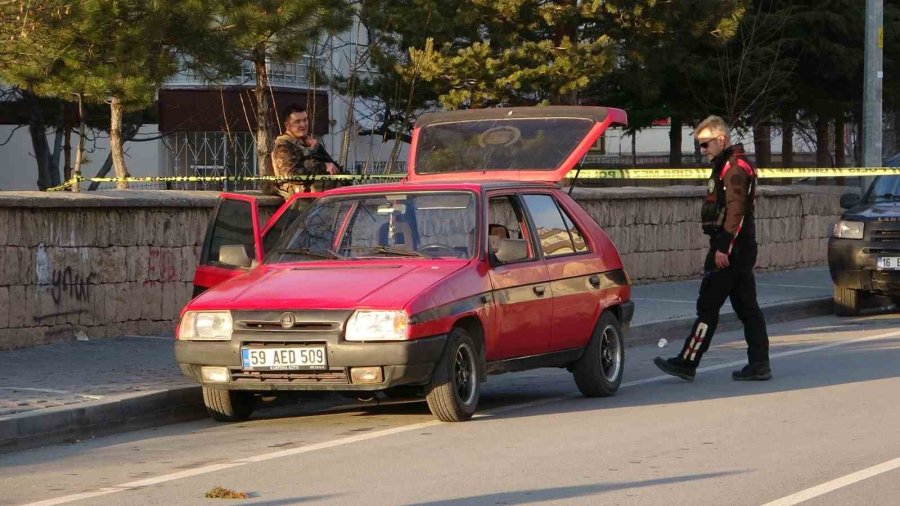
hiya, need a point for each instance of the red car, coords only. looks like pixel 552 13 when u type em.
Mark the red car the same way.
pixel 477 263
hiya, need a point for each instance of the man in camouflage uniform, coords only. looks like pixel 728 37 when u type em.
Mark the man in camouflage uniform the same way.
pixel 292 154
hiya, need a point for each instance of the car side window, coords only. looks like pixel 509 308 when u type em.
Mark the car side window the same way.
pixel 233 226
pixel 507 231
pixel 556 231
pixel 297 208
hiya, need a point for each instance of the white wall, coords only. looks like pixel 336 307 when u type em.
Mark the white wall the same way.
pixel 18 170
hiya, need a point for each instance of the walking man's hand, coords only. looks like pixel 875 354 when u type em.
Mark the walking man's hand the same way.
pixel 721 260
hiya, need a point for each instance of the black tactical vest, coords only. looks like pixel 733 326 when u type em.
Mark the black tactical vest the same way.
pixel 713 210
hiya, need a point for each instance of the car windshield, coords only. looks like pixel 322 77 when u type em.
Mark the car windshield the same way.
pixel 508 144
pixel 885 189
pixel 408 225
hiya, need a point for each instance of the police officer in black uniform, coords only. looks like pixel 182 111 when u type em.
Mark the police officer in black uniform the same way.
pixel 727 216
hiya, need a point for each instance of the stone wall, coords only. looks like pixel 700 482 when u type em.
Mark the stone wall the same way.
pixel 122 263
pixel 658 233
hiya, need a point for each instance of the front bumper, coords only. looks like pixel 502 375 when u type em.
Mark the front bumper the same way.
pixel 402 363
pixel 853 263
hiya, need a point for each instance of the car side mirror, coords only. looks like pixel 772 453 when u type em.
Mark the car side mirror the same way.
pixel 512 250
pixel 849 200
pixel 235 255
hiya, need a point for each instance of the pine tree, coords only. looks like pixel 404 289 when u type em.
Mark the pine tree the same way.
pixel 281 31
pixel 115 52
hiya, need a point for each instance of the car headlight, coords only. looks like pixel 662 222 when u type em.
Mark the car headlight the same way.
pixel 848 229
pixel 206 326
pixel 367 325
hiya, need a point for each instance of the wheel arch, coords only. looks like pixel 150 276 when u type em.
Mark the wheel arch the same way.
pixel 473 325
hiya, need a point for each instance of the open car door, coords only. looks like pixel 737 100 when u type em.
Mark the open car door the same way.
pixel 235 239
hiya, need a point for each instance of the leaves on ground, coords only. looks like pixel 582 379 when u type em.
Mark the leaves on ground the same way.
pixel 218 492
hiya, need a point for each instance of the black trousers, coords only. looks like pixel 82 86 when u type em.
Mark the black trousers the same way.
pixel 737 283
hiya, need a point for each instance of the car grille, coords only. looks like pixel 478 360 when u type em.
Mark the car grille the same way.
pixel 307 324
pixel 331 377
pixel 886 235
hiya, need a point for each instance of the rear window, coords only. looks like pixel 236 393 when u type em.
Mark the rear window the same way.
pixel 508 144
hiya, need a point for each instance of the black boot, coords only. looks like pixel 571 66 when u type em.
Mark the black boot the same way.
pixel 676 367
pixel 754 371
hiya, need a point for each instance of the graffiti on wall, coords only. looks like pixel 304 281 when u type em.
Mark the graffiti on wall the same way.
pixel 162 265
pixel 66 282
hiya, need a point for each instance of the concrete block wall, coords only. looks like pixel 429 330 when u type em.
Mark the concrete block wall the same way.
pixel 122 262
pixel 658 232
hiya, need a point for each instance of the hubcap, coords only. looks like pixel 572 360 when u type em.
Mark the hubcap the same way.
pixel 610 353
pixel 464 372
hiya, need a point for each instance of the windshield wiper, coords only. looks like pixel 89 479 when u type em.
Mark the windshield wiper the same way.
pixel 311 253
pixel 887 196
pixel 389 250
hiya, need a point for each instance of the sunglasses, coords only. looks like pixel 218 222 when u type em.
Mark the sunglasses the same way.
pixel 705 144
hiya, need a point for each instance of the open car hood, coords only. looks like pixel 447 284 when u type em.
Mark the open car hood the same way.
pixel 517 143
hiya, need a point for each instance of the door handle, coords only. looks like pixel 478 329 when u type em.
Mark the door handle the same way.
pixel 595 281
pixel 539 290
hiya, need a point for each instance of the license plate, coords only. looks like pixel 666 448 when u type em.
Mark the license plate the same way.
pixel 284 359
pixel 888 263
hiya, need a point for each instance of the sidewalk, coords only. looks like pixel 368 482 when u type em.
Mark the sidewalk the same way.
pixel 71 390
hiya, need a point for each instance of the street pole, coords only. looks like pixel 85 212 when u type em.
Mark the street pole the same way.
pixel 872 90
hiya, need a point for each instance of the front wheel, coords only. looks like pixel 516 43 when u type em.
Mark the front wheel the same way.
pixel 456 383
pixel 598 372
pixel 228 405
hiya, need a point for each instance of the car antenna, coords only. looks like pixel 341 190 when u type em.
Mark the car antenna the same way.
pixel 575 179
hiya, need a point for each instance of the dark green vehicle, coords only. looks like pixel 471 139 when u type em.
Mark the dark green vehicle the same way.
pixel 864 248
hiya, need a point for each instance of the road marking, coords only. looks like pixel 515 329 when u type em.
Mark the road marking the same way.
pixel 405 428
pixel 716 367
pixel 831 486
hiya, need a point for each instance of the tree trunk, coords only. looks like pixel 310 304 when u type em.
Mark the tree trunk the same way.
pixel 263 161
pixel 67 142
pixel 823 157
pixel 675 141
pixel 37 129
pixel 762 143
pixel 79 155
pixel 787 140
pixel 840 159
pixel 128 133
pixel 634 148
pixel 117 110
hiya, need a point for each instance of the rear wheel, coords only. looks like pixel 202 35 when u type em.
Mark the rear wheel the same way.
pixel 846 301
pixel 228 405
pixel 598 372
pixel 456 383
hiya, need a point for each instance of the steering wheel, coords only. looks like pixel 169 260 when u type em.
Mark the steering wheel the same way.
pixel 438 249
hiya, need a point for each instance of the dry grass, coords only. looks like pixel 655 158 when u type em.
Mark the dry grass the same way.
pixel 224 493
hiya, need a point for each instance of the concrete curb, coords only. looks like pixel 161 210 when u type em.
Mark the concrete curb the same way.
pixel 105 416
pixel 676 330
pixel 146 409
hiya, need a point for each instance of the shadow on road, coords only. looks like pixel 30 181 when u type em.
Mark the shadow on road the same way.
pixel 561 493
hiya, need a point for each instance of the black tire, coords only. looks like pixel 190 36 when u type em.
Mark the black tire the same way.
pixel 846 301
pixel 456 383
pixel 598 372
pixel 228 405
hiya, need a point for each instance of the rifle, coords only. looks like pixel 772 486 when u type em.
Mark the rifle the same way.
pixel 320 155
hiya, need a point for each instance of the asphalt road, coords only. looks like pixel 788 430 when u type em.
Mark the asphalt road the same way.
pixel 823 430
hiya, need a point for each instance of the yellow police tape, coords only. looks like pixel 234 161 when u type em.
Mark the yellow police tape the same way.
pixel 642 173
